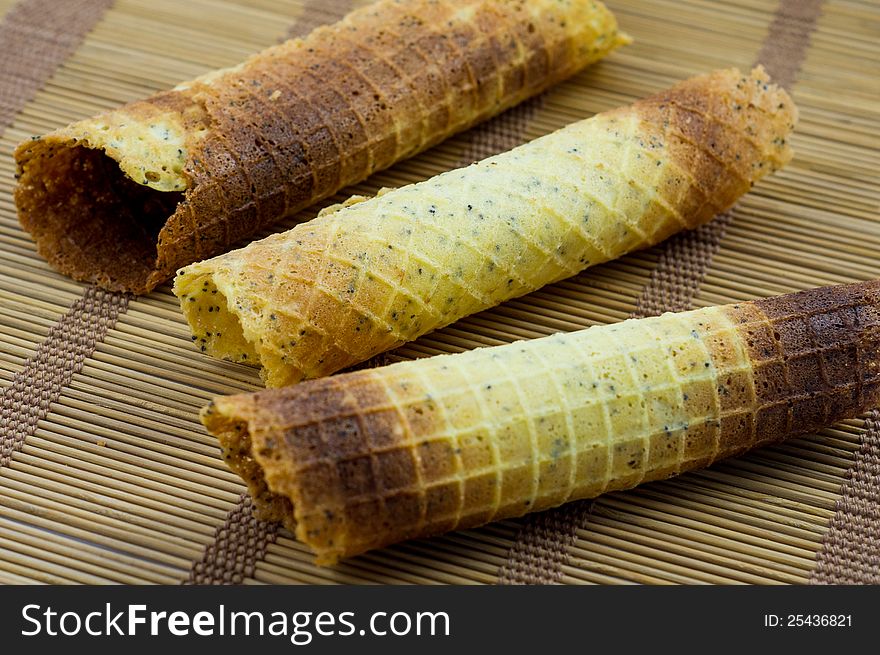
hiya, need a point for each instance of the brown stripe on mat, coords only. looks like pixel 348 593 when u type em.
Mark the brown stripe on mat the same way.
pixel 242 539
pixel 788 39
pixel 237 546
pixel 850 552
pixel 680 270
pixel 36 36
pixel 500 134
pixel 540 550
pixel 57 359
pixel 317 13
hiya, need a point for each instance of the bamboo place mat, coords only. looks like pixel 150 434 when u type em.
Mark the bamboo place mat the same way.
pixel 107 476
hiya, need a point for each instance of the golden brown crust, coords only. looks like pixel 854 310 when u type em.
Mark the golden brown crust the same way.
pixel 725 129
pixel 815 359
pixel 231 426
pixel 366 460
pixel 290 126
pixel 327 445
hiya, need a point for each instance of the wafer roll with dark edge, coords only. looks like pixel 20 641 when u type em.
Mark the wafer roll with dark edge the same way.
pixel 365 459
pixel 127 197
pixel 370 276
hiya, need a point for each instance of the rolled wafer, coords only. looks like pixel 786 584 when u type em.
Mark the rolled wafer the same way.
pixel 125 198
pixel 376 273
pixel 368 458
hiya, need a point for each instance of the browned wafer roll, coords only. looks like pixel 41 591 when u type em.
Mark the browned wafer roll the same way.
pixel 127 197
pixel 368 458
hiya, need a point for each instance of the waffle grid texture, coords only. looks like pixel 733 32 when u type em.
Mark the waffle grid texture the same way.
pixel 372 274
pixel 214 160
pixel 364 459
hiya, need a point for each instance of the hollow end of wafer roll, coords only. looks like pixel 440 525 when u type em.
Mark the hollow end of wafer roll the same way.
pixel 127 197
pixel 97 195
pixel 228 419
pixel 365 459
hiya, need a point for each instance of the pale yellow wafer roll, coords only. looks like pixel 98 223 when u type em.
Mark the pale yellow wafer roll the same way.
pixel 374 274
pixel 364 459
